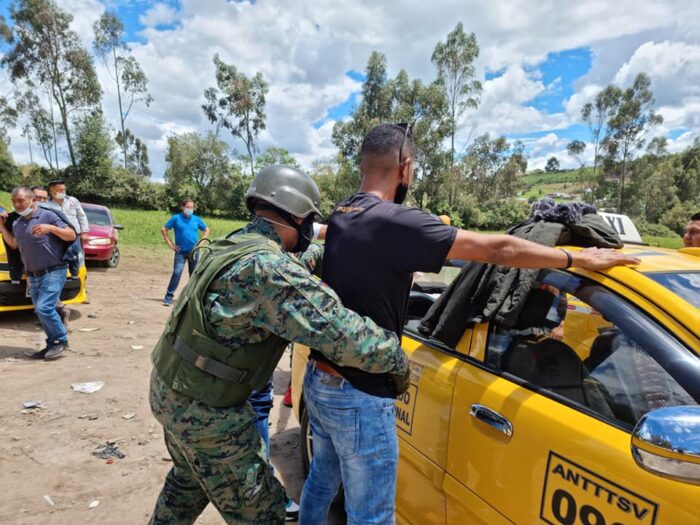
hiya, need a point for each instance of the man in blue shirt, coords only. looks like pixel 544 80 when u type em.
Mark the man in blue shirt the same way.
pixel 41 237
pixel 187 227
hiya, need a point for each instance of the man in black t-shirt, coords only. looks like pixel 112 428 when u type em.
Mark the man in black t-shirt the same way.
pixel 373 247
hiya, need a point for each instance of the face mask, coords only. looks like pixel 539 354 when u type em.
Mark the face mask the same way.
pixel 401 192
pixel 306 234
pixel 25 212
pixel 60 196
pixel 188 212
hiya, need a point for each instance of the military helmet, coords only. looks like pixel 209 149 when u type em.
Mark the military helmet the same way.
pixel 286 188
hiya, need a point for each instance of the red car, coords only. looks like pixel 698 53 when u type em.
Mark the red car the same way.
pixel 102 235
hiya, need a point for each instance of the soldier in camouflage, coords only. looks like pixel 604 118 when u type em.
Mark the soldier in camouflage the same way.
pixel 223 339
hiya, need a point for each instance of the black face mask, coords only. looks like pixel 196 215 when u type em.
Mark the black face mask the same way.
pixel 401 192
pixel 306 234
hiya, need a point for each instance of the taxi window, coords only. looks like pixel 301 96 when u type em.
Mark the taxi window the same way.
pixel 581 341
pixel 685 285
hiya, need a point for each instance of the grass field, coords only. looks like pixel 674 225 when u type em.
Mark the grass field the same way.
pixel 141 234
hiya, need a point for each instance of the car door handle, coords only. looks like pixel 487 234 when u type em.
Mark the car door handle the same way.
pixel 491 418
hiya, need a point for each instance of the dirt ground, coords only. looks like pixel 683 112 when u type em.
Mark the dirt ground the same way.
pixel 47 471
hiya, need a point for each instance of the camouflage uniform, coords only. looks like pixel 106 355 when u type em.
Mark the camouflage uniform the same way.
pixel 217 453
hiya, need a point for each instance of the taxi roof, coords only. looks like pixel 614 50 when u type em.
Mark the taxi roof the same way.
pixel 660 260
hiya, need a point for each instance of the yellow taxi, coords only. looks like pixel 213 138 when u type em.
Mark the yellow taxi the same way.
pixel 586 414
pixel 14 296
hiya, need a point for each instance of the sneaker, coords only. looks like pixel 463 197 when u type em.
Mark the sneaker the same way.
pixel 36 355
pixel 291 509
pixel 167 302
pixel 55 350
pixel 287 399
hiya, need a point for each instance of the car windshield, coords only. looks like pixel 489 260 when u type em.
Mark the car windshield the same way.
pixel 684 284
pixel 97 217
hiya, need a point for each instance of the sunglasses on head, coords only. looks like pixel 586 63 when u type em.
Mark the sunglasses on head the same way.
pixel 408 132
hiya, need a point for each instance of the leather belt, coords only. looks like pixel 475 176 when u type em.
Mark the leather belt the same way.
pixel 39 273
pixel 208 364
pixel 325 367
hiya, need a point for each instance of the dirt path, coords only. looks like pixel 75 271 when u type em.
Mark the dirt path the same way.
pixel 48 452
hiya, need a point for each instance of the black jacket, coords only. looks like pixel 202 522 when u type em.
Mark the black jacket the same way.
pixel 482 292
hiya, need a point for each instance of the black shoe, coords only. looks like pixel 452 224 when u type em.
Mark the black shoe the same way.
pixel 55 350
pixel 37 355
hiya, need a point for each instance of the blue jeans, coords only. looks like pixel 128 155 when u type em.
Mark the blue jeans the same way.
pixel 354 441
pixel 45 291
pixel 181 258
pixel 261 401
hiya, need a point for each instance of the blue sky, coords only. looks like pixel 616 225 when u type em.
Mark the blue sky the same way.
pixel 313 54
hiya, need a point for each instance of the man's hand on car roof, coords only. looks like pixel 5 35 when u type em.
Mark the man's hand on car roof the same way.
pixel 601 258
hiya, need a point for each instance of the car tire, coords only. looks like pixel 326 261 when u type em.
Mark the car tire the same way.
pixel 113 261
pixel 307 453
pixel 306 441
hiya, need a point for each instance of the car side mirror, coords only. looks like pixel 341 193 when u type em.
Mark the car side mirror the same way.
pixel 117 226
pixel 666 442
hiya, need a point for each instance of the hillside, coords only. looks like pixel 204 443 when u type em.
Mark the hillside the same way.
pixel 538 184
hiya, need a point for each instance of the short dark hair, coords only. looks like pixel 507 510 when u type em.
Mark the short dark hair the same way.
pixel 695 217
pixel 386 138
pixel 184 201
pixel 34 188
pixel 56 182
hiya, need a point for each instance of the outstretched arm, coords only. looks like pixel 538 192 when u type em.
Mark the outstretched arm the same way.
pixel 508 250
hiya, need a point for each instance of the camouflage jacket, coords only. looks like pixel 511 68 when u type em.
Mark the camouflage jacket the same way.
pixel 268 292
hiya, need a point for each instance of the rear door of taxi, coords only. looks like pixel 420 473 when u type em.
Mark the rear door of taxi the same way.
pixel 540 426
pixel 423 421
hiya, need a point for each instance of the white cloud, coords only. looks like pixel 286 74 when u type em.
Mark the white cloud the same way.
pixel 304 50
pixel 159 14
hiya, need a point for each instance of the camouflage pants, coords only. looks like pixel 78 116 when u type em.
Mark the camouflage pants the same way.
pixel 218 456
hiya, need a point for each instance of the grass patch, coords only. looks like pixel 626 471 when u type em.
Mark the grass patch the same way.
pixel 674 243
pixel 142 228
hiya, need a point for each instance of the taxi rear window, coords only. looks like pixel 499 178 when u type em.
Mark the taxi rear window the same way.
pixel 685 285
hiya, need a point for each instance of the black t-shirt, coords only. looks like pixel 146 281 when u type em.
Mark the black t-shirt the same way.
pixel 372 249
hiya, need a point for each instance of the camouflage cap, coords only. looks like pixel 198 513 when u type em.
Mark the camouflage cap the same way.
pixel 286 188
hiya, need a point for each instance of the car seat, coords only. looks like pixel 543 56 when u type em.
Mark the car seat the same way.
pixel 554 365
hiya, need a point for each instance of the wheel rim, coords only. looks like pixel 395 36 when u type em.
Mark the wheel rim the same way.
pixel 115 256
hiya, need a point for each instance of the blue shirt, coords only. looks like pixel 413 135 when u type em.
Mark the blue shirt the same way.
pixel 186 234
pixel 43 251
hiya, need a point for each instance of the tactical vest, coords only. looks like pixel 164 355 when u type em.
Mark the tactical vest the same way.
pixel 192 362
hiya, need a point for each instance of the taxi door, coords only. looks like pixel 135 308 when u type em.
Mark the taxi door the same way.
pixel 422 421
pixel 523 453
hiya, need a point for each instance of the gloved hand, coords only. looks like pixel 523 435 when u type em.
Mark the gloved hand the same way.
pixel 401 381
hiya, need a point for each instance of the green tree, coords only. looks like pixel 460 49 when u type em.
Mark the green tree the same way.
pixel 136 153
pixel 92 178
pixel 454 60
pixel 9 174
pixel 237 104
pixel 552 165
pixel 398 100
pixel 273 155
pixel 596 114
pixel 198 166
pixel 48 52
pixel 374 108
pixel 687 176
pixel 634 115
pixel 37 123
pixel 131 81
pixel 491 168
